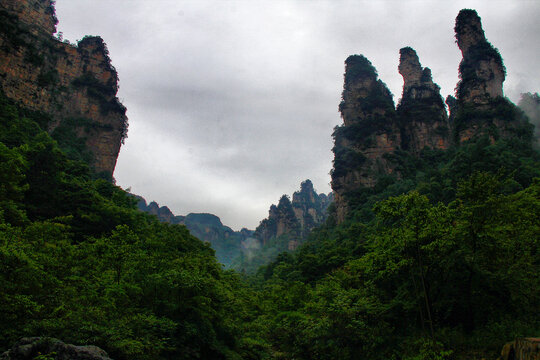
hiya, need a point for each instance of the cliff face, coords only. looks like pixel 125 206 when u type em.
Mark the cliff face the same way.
pixel 38 15
pixel 295 219
pixel 309 207
pixel 75 85
pixel 374 135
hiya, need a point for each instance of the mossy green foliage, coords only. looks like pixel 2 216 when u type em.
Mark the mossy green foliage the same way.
pixel 47 78
pixel 346 160
pixel 80 263
pixel 71 142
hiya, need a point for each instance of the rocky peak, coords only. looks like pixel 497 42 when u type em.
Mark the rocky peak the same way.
pixel 409 67
pixel 364 96
pixel 370 130
pixel 206 227
pixel 417 81
pixel 309 207
pixel 481 71
pixel 374 135
pixel 468 30
pixel 306 194
pixel 421 111
pixel 480 108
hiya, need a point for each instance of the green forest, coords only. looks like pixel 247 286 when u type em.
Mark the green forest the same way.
pixel 442 264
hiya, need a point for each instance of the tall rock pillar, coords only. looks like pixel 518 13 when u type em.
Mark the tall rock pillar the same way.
pixel 369 131
pixel 421 111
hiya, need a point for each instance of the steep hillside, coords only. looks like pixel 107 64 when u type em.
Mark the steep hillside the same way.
pixel 74 86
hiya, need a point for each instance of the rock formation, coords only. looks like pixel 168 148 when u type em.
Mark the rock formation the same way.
pixel 421 111
pixel 481 108
pixel 370 130
pixel 374 134
pixel 310 208
pixel 75 86
pixel 49 348
pixel 294 219
pixel 481 71
pixel 281 220
pixel 530 104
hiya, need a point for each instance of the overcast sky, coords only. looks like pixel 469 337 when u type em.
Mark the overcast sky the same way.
pixel 232 103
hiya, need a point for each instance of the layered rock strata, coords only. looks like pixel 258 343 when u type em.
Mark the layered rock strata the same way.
pixel 75 85
pixel 521 349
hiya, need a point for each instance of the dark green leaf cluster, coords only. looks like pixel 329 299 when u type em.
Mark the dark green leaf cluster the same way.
pixel 345 160
pixel 9 29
